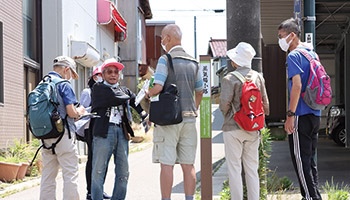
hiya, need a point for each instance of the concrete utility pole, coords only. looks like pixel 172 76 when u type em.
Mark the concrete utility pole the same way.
pixel 243 25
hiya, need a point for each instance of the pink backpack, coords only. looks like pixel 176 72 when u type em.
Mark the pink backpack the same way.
pixel 318 92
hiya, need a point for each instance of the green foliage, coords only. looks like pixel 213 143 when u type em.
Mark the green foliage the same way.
pixel 22 152
pixel 135 116
pixel 264 155
pixel 276 184
pixel 225 193
pixel 336 192
pixel 16 153
pixel 278 133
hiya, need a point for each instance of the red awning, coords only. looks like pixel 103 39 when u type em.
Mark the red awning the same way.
pixel 107 12
pixel 120 23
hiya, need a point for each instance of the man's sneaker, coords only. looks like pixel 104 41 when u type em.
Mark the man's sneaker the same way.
pixel 88 197
pixel 106 196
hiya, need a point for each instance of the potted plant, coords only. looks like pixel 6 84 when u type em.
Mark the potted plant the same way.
pixel 9 167
pixel 15 158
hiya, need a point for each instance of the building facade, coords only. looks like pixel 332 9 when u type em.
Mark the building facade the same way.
pixel 88 31
pixel 12 73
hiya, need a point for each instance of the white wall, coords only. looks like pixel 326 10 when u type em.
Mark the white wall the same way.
pixel 68 20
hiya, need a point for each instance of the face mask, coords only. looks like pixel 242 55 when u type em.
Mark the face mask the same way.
pixel 163 46
pixel 282 42
pixel 99 79
pixel 70 77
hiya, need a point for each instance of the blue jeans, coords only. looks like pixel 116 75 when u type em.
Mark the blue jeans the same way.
pixel 103 148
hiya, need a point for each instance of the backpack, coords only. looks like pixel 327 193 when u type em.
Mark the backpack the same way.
pixel 251 116
pixel 318 92
pixel 44 120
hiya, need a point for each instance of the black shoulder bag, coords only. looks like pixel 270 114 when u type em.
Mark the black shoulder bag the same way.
pixel 166 110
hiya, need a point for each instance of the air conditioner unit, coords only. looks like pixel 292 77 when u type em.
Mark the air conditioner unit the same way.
pixel 84 53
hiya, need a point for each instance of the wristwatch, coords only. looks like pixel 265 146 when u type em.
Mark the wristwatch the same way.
pixel 290 113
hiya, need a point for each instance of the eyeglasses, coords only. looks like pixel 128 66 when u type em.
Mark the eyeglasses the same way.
pixel 282 36
pixel 110 71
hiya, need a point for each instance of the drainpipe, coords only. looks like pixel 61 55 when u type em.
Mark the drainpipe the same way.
pixel 309 23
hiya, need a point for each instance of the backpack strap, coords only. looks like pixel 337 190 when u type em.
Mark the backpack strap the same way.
pixel 58 80
pixel 242 78
pixel 171 73
pixel 45 147
pixel 306 54
pixel 239 76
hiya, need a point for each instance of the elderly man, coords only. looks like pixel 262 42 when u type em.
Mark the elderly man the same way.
pixel 66 154
pixel 177 143
pixel 111 132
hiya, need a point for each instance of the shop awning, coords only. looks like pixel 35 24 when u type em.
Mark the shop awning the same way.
pixel 107 13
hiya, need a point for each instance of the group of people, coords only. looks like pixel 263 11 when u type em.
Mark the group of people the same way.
pixel 109 134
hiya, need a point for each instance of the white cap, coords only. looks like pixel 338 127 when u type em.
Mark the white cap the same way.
pixel 68 62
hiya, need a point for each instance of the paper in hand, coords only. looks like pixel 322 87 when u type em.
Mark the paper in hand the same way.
pixel 142 92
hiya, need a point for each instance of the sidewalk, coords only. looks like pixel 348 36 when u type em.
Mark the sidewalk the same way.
pixel 144 175
pixel 333 163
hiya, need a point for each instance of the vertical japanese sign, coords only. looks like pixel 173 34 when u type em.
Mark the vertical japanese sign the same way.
pixel 205 129
pixel 205 107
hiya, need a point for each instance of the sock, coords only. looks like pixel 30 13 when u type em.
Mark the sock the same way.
pixel 166 199
pixel 189 197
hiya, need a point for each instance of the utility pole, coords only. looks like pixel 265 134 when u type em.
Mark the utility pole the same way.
pixel 243 25
pixel 310 20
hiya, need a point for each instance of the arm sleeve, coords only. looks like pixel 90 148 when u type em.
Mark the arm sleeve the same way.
pixel 67 94
pixel 199 81
pixel 226 96
pixel 161 72
pixel 85 98
pixel 294 65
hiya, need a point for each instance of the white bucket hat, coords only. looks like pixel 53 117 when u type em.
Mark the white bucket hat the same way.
pixel 242 54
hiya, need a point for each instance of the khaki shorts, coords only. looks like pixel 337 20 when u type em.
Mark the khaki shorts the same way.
pixel 175 144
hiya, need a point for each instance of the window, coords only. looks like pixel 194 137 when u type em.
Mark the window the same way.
pixel 30 30
pixel 1 67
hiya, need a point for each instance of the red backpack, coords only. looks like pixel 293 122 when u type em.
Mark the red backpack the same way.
pixel 251 116
pixel 318 92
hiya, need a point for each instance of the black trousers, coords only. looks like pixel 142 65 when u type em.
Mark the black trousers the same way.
pixel 303 148
pixel 88 167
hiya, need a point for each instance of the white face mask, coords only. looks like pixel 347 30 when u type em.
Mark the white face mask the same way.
pixel 163 45
pixel 70 77
pixel 99 79
pixel 282 42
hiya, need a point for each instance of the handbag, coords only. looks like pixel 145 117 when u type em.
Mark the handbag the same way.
pixel 165 109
